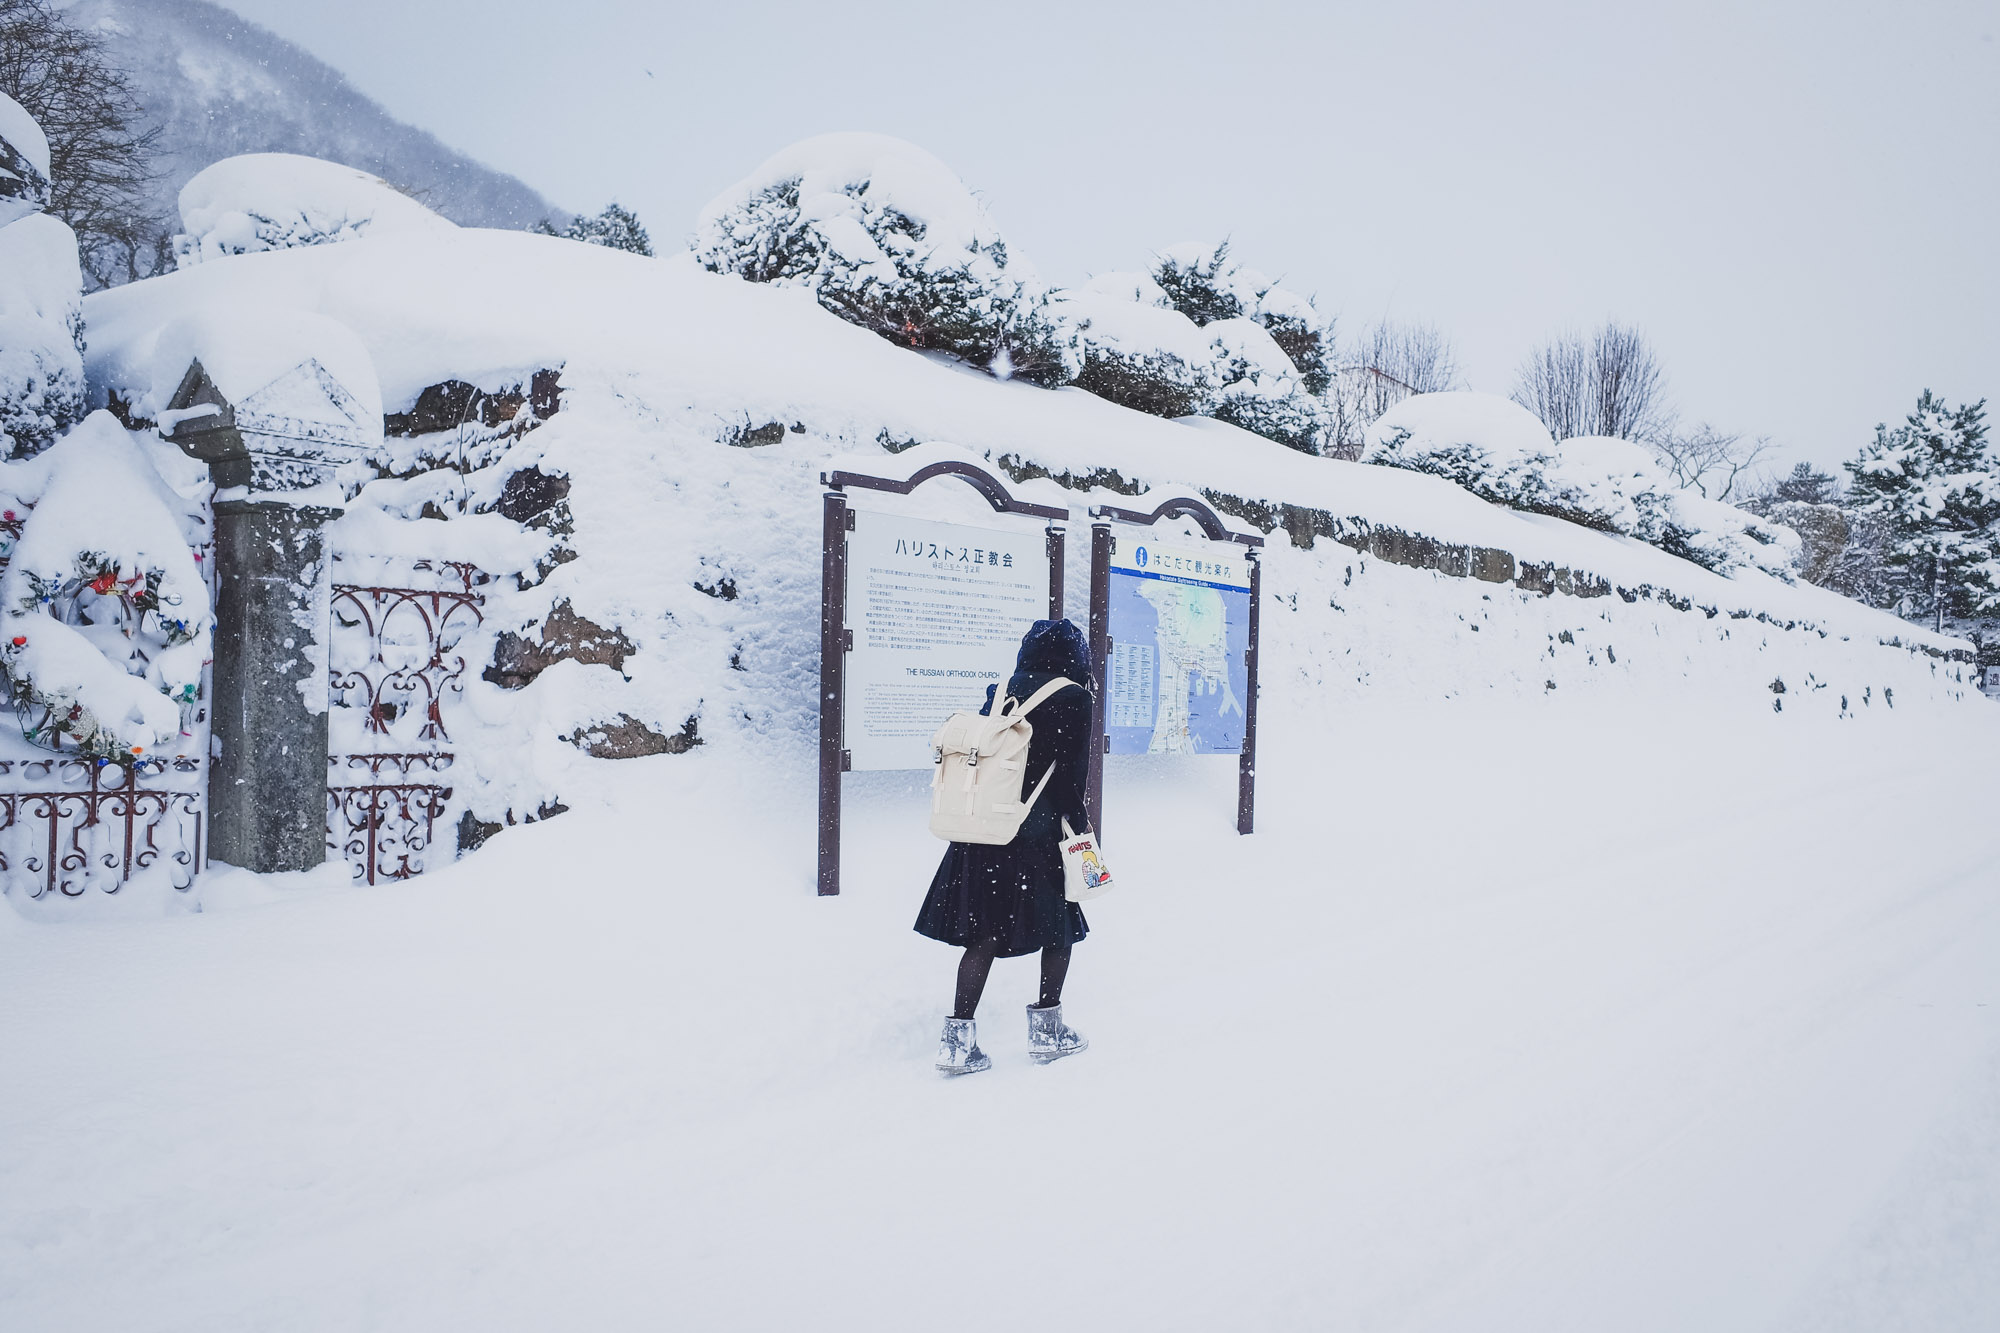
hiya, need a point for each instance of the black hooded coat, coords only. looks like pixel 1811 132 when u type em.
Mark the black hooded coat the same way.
pixel 1012 895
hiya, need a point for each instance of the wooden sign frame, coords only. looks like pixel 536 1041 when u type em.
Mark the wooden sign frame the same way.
pixel 835 638
pixel 1212 527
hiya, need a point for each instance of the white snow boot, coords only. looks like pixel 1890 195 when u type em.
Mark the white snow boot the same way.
pixel 1049 1038
pixel 958 1048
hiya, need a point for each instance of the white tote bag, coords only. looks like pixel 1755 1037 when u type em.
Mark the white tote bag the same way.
pixel 1085 872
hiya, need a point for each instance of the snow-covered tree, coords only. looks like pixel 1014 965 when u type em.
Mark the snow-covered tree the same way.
pixel 102 153
pixel 1609 384
pixel 615 228
pixel 1806 484
pixel 1385 364
pixel 41 293
pixel 1934 486
pixel 889 238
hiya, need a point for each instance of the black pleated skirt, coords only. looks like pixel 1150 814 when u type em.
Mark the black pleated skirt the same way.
pixel 1011 895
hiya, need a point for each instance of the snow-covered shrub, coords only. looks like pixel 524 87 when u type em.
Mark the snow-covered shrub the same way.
pixel 24 163
pixel 104 617
pixel 1261 390
pixel 275 201
pixel 41 293
pixel 1725 538
pixel 1501 452
pixel 1492 447
pixel 1174 352
pixel 41 334
pixel 1207 285
pixel 1135 350
pixel 1270 346
pixel 887 237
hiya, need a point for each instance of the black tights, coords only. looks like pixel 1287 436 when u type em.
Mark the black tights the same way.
pixel 978 961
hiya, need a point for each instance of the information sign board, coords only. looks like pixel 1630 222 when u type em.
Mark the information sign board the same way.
pixel 1178 677
pixel 937 611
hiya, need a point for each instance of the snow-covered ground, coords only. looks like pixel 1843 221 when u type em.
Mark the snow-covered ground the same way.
pixel 1537 1016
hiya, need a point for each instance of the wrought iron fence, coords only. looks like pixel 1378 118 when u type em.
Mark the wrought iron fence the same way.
pixel 70 825
pixel 393 662
pixel 384 828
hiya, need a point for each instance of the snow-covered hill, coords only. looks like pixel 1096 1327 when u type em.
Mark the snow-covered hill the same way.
pixel 218 85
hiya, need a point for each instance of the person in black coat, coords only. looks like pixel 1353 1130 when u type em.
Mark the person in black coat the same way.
pixel 1005 901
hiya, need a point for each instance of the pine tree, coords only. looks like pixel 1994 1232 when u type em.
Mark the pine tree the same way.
pixel 1805 484
pixel 1935 489
pixel 618 228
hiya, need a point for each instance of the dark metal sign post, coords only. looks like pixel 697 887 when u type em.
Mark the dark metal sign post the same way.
pixel 836 640
pixel 1212 527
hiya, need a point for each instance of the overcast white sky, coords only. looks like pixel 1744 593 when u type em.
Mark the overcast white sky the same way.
pixel 1800 204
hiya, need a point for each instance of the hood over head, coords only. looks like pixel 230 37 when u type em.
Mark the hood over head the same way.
pixel 1055 648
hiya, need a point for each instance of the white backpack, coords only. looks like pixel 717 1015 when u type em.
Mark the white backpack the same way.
pixel 976 790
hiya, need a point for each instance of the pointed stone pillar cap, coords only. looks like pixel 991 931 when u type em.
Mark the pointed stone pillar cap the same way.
pixel 279 401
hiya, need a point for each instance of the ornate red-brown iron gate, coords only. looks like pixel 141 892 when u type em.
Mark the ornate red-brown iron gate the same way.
pixel 68 825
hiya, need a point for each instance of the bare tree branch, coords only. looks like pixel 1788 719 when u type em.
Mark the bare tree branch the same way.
pixel 100 157
pixel 1710 462
pixel 1611 384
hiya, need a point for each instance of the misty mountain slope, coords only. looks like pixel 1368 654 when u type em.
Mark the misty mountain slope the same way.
pixel 219 85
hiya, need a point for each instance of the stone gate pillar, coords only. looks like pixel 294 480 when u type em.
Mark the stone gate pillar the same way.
pixel 277 452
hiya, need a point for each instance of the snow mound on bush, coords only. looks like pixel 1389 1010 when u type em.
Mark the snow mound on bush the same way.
pixel 103 539
pixel 24 163
pixel 1262 390
pixel 276 201
pixel 887 237
pixel 1174 355
pixel 41 334
pixel 1138 353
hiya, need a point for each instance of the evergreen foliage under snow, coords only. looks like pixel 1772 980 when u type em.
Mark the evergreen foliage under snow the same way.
pixel 887 237
pixel 1935 488
pixel 615 228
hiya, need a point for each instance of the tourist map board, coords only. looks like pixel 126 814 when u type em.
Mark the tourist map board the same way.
pixel 1180 625
pixel 938 611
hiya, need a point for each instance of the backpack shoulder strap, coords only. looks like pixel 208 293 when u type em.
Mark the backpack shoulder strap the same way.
pixel 1041 696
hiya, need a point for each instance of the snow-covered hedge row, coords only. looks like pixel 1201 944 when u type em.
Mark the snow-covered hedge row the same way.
pixel 1499 451
pixel 887 237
